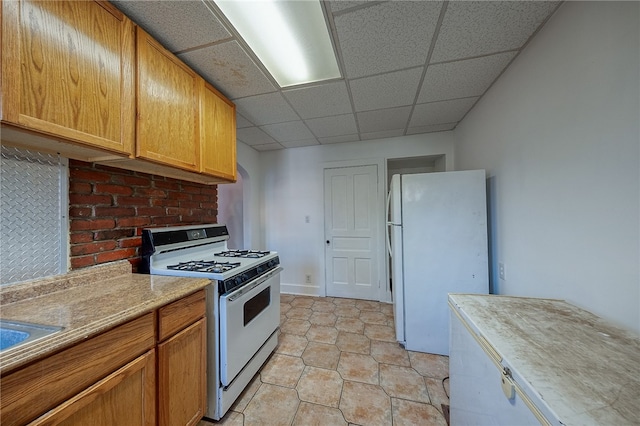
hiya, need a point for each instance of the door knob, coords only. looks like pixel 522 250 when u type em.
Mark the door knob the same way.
pixel 328 242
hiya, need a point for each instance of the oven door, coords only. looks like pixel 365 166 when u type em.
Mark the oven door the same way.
pixel 248 317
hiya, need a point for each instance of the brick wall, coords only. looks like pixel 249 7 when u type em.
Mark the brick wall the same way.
pixel 108 207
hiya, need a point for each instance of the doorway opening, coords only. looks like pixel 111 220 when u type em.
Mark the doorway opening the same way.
pixel 231 208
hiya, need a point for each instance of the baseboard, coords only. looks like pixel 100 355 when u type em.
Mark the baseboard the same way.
pixel 301 289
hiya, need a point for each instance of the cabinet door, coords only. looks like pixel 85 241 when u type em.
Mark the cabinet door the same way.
pixel 126 397
pixel 182 377
pixel 168 98
pixel 218 134
pixel 67 71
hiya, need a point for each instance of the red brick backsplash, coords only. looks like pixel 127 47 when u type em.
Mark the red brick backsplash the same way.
pixel 108 207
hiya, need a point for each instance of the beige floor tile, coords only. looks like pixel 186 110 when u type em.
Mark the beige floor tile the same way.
pixel 358 368
pixel 299 313
pixel 291 344
pixel 303 301
pixel 322 334
pixel 295 326
pixel 321 355
pixel 403 382
pixel 380 332
pixel 286 298
pixel 437 394
pixel 320 386
pixel 365 404
pixel 232 418
pixel 445 383
pixel 373 317
pixel 389 353
pixel 284 307
pixel 353 342
pixel 318 415
pixel 323 318
pixel 347 311
pixel 340 301
pixel 323 306
pixel 272 405
pixel 247 394
pixel 283 370
pixel 387 309
pixel 411 413
pixel 351 325
pixel 430 365
pixel 368 305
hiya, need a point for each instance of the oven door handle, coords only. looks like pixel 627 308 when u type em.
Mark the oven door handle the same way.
pixel 248 287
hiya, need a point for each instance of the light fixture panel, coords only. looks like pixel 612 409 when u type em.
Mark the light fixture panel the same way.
pixel 290 38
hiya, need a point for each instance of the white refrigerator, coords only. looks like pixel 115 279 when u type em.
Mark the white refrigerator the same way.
pixel 438 245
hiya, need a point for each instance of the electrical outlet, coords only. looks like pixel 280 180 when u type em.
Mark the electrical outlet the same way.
pixel 307 278
pixel 501 271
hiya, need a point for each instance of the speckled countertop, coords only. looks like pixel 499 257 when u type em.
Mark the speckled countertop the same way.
pixel 586 369
pixel 85 302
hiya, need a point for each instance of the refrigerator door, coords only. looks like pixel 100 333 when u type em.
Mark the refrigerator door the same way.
pixel 395 252
pixel 444 222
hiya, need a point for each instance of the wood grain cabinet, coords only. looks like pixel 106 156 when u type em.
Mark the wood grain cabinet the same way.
pixel 68 72
pixel 168 110
pixel 148 371
pixel 182 362
pixel 218 134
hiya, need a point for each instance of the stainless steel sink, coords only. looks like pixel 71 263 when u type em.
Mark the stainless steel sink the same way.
pixel 14 333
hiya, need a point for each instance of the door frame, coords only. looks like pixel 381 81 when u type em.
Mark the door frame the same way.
pixel 384 294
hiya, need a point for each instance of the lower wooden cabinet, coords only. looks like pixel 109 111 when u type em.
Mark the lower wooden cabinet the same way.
pixel 125 398
pixel 148 371
pixel 182 377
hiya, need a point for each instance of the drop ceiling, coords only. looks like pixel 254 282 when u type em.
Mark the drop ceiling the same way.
pixel 408 67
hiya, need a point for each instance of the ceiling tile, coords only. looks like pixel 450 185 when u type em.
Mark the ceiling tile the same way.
pixel 386 90
pixel 339 139
pixel 431 128
pixel 461 79
pixel 227 65
pixel 384 119
pixel 242 122
pixel 172 23
pixel 382 134
pixel 253 136
pixel 320 101
pixel 386 37
pixel 267 147
pixel 441 112
pixel 333 126
pixel 299 143
pixel 266 109
pixel 474 28
pixel 339 5
pixel 287 132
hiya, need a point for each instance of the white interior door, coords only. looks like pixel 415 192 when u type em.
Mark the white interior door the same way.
pixel 352 239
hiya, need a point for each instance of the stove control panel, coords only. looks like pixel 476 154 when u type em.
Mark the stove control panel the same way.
pixel 233 283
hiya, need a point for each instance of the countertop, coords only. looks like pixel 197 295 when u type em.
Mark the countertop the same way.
pixel 85 302
pixel 584 368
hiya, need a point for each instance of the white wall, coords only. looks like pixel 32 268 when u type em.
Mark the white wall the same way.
pixel 293 189
pixel 249 165
pixel 558 135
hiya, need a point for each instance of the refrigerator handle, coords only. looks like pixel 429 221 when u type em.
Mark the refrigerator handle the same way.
pixel 389 224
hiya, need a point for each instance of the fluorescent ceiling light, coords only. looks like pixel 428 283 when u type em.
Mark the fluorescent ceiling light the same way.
pixel 289 37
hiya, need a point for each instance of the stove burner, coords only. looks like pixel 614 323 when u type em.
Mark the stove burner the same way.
pixel 205 266
pixel 254 254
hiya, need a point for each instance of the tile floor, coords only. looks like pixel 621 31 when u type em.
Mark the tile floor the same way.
pixel 337 363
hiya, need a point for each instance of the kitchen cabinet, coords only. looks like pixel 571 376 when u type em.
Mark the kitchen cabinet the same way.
pixel 149 370
pixel 182 361
pixel 68 72
pixel 67 380
pixel 218 134
pixel 168 110
pixel 122 398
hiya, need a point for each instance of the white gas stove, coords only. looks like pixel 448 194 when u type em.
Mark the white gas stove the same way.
pixel 243 304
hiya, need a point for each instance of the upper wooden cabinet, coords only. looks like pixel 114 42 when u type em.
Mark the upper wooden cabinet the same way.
pixel 168 94
pixel 67 71
pixel 218 118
